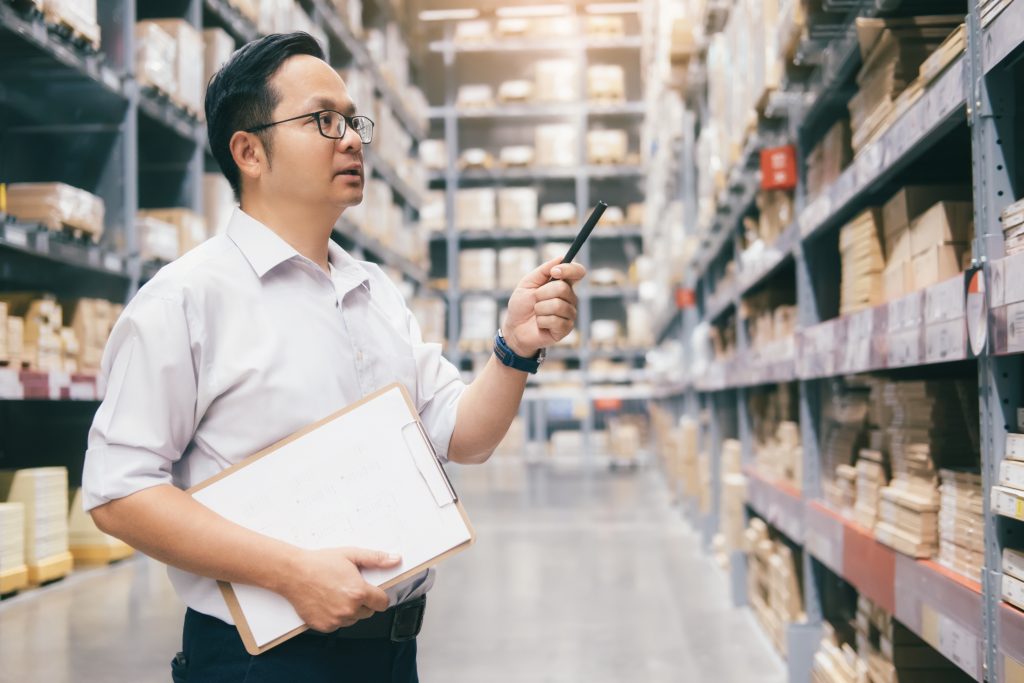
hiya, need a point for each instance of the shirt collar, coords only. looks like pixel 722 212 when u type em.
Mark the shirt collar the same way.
pixel 264 249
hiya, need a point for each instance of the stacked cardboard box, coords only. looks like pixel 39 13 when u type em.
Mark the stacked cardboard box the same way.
pixel 1008 496
pixel 927 430
pixel 773 582
pixel 871 478
pixel 556 81
pixel 836 662
pixel 13 350
pixel 517 208
pixel 475 96
pixel 846 430
pixel 474 157
pixel 78 15
pixel 1013 577
pixel 57 206
pixel 43 492
pixel 940 242
pixel 1013 227
pixel 218 46
pixel 41 323
pixel 555 144
pixel 606 83
pixel 158 239
pixel 607 146
pixel 829 157
pixel 893 51
pixel 775 214
pixel 174 68
pixel 479 320
pixel 515 91
pixel 558 214
pixel 192 229
pixel 962 522
pixel 91 321
pixel 514 264
pixel 13 569
pixel 478 269
pixel 429 312
pixel 516 156
pixel 625 439
pixel 863 260
pixel 475 209
pixel 894 653
pixel 734 495
pixel 844 491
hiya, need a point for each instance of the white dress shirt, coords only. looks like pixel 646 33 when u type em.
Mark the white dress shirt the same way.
pixel 238 344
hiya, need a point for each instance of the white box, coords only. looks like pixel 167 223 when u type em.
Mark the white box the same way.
pixel 516 155
pixel 218 47
pixel 515 91
pixel 479 319
pixel 556 81
pixel 1011 473
pixel 478 96
pixel 475 209
pixel 1008 502
pixel 1014 446
pixel 478 269
pixel 556 144
pixel 607 146
pixel 189 63
pixel 156 53
pixel 434 154
pixel 514 264
pixel 606 82
pixel 517 208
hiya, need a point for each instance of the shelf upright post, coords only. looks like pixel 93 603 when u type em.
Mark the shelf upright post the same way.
pixel 451 137
pixel 129 151
pixel 583 202
pixel 193 189
pixel 991 109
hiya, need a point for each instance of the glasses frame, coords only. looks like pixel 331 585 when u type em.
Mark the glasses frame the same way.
pixel 319 124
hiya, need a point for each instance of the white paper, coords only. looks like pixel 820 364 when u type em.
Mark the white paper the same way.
pixel 351 482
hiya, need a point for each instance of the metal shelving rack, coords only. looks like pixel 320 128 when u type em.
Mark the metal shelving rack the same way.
pixel 449 119
pixel 80 117
pixel 971 105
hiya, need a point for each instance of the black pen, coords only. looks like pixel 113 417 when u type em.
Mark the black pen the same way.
pixel 585 231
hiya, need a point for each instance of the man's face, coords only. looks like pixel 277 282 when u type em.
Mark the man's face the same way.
pixel 306 166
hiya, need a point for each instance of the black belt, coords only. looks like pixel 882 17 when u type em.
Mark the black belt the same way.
pixel 398 624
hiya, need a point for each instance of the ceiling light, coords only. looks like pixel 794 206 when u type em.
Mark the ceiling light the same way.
pixel 448 14
pixel 613 8
pixel 533 11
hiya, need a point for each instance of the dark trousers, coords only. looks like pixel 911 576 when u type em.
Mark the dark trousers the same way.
pixel 213 653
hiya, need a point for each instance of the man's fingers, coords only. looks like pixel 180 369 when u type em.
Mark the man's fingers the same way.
pixel 376 599
pixel 558 289
pixel 558 327
pixel 554 269
pixel 569 272
pixel 371 559
pixel 557 307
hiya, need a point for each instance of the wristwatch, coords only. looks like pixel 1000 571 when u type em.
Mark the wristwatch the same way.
pixel 509 358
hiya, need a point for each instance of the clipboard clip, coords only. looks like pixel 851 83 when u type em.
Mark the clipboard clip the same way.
pixel 452 496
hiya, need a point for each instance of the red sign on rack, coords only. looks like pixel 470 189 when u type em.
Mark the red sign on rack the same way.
pixel 778 168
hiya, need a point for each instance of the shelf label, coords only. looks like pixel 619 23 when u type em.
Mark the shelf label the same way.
pixel 112 262
pixel 822 548
pixel 16 235
pixel 82 391
pixel 945 301
pixel 1012 272
pixel 950 638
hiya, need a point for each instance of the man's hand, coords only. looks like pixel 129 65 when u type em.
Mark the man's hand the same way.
pixel 328 591
pixel 540 312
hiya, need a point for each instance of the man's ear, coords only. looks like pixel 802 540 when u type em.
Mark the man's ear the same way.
pixel 249 154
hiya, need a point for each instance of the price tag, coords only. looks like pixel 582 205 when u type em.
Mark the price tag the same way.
pixel 113 263
pixel 16 235
pixel 996 289
pixel 821 547
pixel 904 348
pixel 1013 278
pixel 950 638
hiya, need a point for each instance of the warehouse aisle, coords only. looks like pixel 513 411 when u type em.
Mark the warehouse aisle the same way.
pixel 574 578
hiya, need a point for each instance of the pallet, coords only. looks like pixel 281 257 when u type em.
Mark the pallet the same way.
pixel 13 580
pixel 82 35
pixel 606 160
pixel 50 569
pixel 106 553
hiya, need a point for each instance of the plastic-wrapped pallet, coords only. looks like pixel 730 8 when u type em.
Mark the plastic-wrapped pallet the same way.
pixel 512 27
pixel 44 493
pixel 558 214
pixel 606 83
pixel 475 209
pixel 516 155
pixel 156 57
pixel 479 318
pixel 188 64
pixel 79 15
pixel 429 313
pixel 517 208
pixel 92 321
pixel 515 91
pixel 556 81
pixel 41 319
pixel 607 146
pixel 477 96
pixel 475 32
pixel 514 264
pixel 478 269
pixel 191 226
pixel 218 47
pixel 433 216
pixel 434 154
pixel 158 239
pixel 604 26
pixel 555 145
pixel 57 206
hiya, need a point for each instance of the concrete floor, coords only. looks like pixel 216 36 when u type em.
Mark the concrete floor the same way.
pixel 577 576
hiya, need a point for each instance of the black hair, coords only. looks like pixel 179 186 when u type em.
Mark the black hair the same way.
pixel 240 96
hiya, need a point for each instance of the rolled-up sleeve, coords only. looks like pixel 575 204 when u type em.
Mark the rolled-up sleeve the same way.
pixel 439 388
pixel 148 414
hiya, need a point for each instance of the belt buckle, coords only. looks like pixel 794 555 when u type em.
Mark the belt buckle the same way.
pixel 408 620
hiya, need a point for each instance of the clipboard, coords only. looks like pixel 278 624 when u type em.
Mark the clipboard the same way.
pixel 350 467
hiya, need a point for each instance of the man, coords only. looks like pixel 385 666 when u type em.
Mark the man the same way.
pixel 261 331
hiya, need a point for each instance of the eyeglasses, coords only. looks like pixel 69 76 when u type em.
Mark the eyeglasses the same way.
pixel 332 124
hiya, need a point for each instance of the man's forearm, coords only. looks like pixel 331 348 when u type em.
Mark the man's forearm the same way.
pixel 167 524
pixel 486 410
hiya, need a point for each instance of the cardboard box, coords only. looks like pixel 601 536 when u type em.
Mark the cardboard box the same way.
pixel 158 240
pixel 57 206
pixel 479 320
pixel 517 208
pixel 515 91
pixel 1011 474
pixel 555 144
pixel 218 46
pixel 475 32
pixel 189 63
pixel 938 263
pixel 606 83
pixel 434 154
pixel 607 146
pixel 913 200
pixel 516 155
pixel 475 96
pixel 943 223
pixel 218 202
pixel 556 81
pixel 478 269
pixel 475 209
pixel 192 230
pixel 898 278
pixel 514 264
pixel 604 26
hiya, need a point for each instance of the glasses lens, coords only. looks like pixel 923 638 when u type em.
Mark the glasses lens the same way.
pixel 363 128
pixel 332 124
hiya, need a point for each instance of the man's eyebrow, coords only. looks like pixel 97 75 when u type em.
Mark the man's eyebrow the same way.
pixel 328 103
